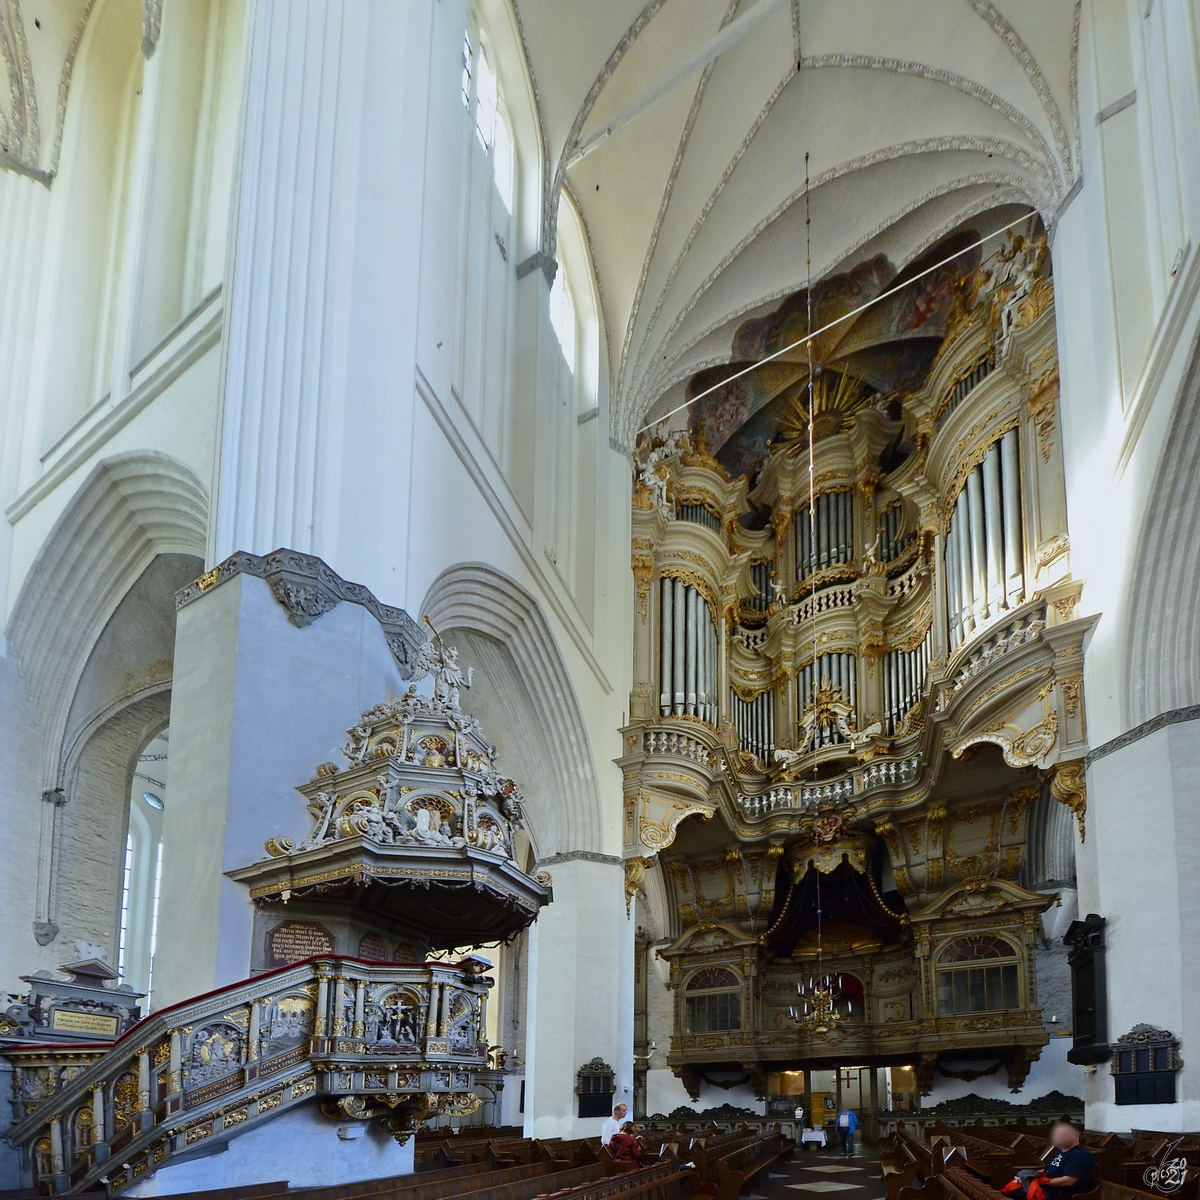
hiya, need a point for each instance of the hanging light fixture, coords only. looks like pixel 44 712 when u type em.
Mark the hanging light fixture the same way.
pixel 818 1010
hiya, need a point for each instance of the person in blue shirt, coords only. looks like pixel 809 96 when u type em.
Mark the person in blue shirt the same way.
pixel 1071 1169
pixel 847 1123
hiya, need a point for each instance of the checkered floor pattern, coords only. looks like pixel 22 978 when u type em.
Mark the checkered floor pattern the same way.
pixel 817 1174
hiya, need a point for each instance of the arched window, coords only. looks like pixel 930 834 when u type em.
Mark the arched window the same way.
pixel 978 974
pixel 141 877
pixel 562 317
pixel 712 1001
pixel 504 161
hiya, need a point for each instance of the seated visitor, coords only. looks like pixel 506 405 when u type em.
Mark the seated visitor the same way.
pixel 626 1146
pixel 1071 1169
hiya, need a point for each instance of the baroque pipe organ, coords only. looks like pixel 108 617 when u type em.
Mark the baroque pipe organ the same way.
pixel 857 672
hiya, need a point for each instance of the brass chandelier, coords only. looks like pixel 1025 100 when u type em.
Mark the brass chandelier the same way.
pixel 818 1003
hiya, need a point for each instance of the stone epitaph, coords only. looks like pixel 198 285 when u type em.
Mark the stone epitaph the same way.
pixel 292 941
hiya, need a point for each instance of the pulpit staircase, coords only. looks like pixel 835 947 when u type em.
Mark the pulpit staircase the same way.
pixel 394 1041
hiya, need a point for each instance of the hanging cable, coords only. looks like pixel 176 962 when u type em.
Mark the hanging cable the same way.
pixel 836 321
pixel 815 685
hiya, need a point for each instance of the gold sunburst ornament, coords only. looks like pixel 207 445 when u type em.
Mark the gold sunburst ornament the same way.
pixel 835 395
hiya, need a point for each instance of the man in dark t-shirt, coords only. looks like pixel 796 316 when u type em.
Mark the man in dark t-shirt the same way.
pixel 1071 1169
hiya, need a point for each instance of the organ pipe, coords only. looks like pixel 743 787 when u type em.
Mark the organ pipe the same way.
pixel 982 554
pixel 891 545
pixel 840 672
pixel 834 530
pixel 1014 591
pixel 666 635
pixel 678 645
pixel 953 590
pixel 688 653
pixel 754 721
pixel 693 647
pixel 904 674
pixel 978 561
pixel 993 529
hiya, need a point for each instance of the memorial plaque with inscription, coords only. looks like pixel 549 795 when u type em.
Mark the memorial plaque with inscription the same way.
pixel 373 948
pixel 67 1020
pixel 294 940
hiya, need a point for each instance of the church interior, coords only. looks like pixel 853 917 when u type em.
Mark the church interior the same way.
pixel 563 555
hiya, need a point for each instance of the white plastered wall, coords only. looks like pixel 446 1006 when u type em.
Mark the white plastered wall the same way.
pixel 1127 285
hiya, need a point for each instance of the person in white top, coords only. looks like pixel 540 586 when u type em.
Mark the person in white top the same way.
pixel 613 1124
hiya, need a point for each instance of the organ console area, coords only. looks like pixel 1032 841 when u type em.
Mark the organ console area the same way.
pixel 856 730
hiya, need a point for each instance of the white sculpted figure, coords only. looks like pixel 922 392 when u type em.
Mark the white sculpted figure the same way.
pixel 441 661
pixel 323 811
pixel 432 830
pixel 653 477
pixel 1013 278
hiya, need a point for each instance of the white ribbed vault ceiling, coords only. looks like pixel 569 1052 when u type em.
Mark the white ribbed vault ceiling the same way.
pixel 916 113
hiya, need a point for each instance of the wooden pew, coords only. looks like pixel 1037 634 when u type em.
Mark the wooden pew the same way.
pixel 742 1166
pixel 664 1180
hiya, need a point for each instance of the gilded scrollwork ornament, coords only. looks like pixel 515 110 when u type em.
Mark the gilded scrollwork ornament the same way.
pixel 1068 785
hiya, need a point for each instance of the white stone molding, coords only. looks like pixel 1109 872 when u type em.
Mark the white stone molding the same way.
pixel 477 598
pixel 152 11
pixel 1162 645
pixel 294 221
pixel 307 588
pixel 131 508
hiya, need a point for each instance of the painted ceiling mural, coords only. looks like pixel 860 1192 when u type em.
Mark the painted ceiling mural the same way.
pixel 869 358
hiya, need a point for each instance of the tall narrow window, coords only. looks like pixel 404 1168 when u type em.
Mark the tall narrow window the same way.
pixel 562 318
pixel 467 55
pixel 486 103
pixel 503 163
pixel 126 879
pixel 141 881
pixel 154 924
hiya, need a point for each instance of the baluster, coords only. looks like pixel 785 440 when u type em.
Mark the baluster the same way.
pixel 99 1124
pixel 338 1002
pixel 57 1162
pixel 320 1023
pixel 252 1035
pixel 174 1073
pixel 431 1011
pixel 145 1115
pixel 443 1008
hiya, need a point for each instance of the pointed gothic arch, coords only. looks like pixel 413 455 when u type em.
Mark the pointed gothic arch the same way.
pixel 501 629
pixel 1162 646
pixel 130 509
